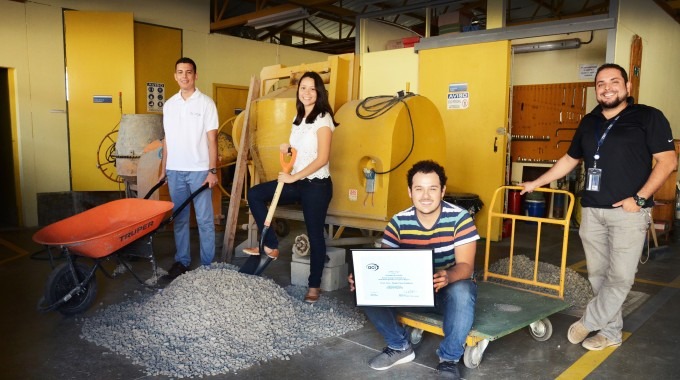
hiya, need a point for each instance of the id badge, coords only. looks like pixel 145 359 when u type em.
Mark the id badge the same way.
pixel 593 179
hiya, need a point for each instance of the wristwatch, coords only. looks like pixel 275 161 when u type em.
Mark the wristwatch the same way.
pixel 639 200
pixel 213 170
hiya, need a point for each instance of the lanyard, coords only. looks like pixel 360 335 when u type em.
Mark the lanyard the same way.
pixel 596 156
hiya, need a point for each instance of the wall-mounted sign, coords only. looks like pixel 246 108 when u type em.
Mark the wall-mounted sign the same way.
pixel 155 96
pixel 587 71
pixel 458 97
pixel 102 99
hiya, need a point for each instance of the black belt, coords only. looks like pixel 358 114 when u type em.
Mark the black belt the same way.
pixel 316 180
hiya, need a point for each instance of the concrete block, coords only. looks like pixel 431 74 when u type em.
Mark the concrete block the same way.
pixel 332 278
pixel 336 256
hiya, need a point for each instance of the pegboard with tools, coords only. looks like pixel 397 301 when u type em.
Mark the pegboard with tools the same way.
pixel 544 119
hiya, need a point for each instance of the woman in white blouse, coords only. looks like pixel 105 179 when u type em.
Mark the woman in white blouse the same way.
pixel 309 182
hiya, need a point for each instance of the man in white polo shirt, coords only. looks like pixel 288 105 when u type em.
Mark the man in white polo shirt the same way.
pixel 189 161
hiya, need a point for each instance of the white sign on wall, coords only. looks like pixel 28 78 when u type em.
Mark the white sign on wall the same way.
pixel 155 96
pixel 587 71
pixel 458 97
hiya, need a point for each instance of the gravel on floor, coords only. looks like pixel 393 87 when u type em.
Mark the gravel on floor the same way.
pixel 214 320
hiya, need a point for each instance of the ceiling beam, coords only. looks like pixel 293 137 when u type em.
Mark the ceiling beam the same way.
pixel 242 19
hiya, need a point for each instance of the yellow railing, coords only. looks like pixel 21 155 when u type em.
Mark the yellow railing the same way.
pixel 564 222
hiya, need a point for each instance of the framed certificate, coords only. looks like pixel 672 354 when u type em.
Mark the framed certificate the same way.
pixel 393 277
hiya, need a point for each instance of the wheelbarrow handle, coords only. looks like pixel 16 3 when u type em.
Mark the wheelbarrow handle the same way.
pixel 185 203
pixel 158 185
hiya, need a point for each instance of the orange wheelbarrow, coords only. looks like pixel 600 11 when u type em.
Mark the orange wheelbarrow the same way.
pixel 112 230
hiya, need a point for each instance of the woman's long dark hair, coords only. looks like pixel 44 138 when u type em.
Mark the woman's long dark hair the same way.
pixel 322 106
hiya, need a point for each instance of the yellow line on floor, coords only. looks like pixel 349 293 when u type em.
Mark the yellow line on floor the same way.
pixel 588 362
pixel 14 248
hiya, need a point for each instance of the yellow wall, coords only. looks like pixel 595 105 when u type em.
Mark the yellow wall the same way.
pixel 33 45
pixel 660 74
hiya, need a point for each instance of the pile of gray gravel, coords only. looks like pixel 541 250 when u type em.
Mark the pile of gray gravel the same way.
pixel 577 289
pixel 216 320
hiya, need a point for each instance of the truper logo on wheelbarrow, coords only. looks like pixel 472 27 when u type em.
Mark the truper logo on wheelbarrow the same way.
pixel 135 231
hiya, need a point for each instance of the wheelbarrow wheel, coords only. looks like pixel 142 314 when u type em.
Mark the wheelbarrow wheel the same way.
pixel 473 354
pixel 415 336
pixel 61 282
pixel 541 330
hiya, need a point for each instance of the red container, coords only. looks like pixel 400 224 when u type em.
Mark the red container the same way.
pixel 514 202
pixel 410 41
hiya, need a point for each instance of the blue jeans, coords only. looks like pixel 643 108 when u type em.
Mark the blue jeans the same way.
pixel 613 240
pixel 315 196
pixel 181 185
pixel 455 302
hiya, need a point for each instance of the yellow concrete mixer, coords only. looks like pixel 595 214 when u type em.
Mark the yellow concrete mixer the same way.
pixel 370 154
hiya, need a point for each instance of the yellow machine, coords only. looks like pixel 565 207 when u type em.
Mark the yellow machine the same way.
pixel 371 155
pixel 371 150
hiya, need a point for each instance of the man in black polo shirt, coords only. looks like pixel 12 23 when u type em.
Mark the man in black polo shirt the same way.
pixel 617 142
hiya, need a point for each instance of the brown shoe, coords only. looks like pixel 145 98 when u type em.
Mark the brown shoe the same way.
pixel 312 295
pixel 255 251
pixel 577 332
pixel 598 342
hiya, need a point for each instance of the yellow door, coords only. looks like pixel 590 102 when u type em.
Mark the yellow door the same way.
pixel 469 84
pixel 101 86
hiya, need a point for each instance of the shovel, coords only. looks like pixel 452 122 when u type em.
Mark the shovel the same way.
pixel 257 264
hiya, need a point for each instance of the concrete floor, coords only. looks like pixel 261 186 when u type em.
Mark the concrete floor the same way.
pixel 47 346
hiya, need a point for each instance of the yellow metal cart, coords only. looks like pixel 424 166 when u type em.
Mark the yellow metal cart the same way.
pixel 505 308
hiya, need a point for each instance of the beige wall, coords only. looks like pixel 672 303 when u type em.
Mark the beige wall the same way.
pixel 33 45
pixel 386 72
pixel 557 66
pixel 660 74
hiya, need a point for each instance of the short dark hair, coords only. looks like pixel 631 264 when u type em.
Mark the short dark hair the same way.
pixel 186 60
pixel 426 167
pixel 613 66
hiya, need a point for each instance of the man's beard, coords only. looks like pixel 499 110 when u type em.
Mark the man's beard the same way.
pixel 613 103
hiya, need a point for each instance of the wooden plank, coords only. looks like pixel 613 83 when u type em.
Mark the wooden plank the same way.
pixel 240 172
pixel 635 69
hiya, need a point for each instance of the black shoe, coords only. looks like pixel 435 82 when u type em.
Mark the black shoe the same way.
pixel 176 270
pixel 448 370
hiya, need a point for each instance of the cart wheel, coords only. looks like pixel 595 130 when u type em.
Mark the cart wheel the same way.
pixel 473 354
pixel 60 282
pixel 281 227
pixel 541 330
pixel 415 336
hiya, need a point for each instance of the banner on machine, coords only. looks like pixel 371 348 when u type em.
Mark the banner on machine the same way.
pixel 155 95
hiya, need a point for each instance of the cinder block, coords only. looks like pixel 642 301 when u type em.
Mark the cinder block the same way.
pixel 336 256
pixel 331 279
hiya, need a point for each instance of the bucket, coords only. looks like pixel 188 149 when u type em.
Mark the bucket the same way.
pixel 558 205
pixel 534 208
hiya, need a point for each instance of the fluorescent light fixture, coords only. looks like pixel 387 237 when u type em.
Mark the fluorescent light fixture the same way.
pixel 573 43
pixel 278 18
